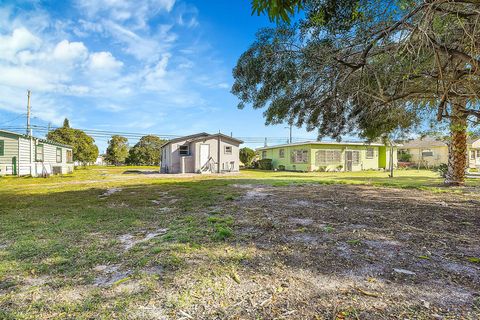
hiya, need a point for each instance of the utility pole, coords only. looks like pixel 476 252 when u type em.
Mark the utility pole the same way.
pixel 265 144
pixel 29 129
pixel 290 136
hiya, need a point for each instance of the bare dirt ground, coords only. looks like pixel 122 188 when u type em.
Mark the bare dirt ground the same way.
pixel 344 251
pixel 226 249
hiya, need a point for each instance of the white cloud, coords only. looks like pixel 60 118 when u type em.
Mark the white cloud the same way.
pixel 135 12
pixel 70 51
pixel 20 39
pixel 104 63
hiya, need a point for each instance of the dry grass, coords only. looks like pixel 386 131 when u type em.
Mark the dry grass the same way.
pixel 101 244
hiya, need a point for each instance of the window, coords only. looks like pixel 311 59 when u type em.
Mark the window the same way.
pixel 228 150
pixel 184 150
pixel 69 156
pixel 478 153
pixel 59 155
pixel 326 157
pixel 2 148
pixel 39 152
pixel 264 154
pixel 472 154
pixel 300 156
pixel 427 153
pixel 370 153
pixel 355 158
pixel 281 153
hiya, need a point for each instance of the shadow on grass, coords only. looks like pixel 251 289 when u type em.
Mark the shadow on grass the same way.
pixel 340 232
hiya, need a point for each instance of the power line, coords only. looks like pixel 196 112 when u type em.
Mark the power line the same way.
pixel 106 134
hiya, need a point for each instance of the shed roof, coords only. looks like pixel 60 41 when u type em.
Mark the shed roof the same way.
pixel 20 135
pixel 341 143
pixel 199 136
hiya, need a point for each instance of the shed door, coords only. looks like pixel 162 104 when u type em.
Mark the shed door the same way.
pixel 14 166
pixel 204 154
pixel 348 160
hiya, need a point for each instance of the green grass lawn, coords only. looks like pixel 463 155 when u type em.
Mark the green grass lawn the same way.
pixel 56 232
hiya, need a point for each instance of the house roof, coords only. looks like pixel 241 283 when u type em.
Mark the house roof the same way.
pixel 431 142
pixel 199 136
pixel 20 135
pixel 342 143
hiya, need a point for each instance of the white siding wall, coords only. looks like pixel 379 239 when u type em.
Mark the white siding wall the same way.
pixel 26 156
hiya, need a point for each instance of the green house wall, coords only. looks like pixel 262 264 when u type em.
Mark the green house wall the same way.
pixel 378 161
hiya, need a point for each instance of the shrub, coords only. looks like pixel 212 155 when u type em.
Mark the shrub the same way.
pixel 322 169
pixel 265 164
pixel 405 157
pixel 339 167
pixel 281 167
pixel 442 170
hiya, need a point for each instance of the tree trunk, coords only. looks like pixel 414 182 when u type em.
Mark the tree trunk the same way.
pixel 457 148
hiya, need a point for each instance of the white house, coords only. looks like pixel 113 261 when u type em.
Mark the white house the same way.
pixel 26 155
pixel 201 153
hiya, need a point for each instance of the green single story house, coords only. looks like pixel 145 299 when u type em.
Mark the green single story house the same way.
pixel 23 155
pixel 329 156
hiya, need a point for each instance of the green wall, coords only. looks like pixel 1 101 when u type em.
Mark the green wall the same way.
pixel 378 161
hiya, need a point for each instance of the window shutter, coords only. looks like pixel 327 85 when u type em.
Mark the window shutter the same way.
pixel 2 147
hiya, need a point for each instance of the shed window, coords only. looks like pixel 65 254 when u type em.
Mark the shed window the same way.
pixel 264 154
pixel 326 157
pixel 2 147
pixel 281 153
pixel 355 158
pixel 370 153
pixel 59 155
pixel 300 156
pixel 69 156
pixel 228 150
pixel 184 150
pixel 472 154
pixel 478 153
pixel 39 152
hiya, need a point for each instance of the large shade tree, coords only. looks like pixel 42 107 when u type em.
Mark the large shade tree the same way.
pixel 83 146
pixel 117 150
pixel 146 151
pixel 367 66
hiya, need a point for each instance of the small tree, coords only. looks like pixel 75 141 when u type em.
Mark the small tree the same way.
pixel 146 151
pixel 246 156
pixel 84 148
pixel 117 150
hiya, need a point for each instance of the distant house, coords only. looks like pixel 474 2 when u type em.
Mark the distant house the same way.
pixel 26 155
pixel 200 153
pixel 329 156
pixel 431 152
pixel 100 161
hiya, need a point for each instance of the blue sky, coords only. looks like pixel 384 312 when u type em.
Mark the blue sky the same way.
pixel 153 66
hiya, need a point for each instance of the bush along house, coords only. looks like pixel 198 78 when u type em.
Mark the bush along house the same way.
pixel 24 155
pixel 329 156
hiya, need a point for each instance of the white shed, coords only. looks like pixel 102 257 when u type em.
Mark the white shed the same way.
pixel 201 153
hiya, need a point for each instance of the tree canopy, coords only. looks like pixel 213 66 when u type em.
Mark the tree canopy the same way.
pixel 146 151
pixel 368 67
pixel 117 150
pixel 247 155
pixel 83 146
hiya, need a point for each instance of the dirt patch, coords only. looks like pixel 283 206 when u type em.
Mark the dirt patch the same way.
pixel 129 240
pixel 364 247
pixel 109 192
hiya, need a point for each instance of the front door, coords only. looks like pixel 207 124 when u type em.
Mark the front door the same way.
pixel 348 160
pixel 204 154
pixel 14 166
